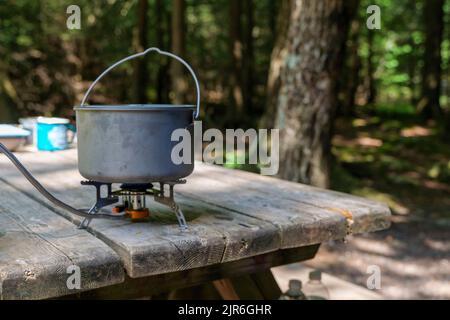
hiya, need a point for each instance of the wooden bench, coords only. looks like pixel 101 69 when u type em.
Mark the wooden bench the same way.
pixel 240 225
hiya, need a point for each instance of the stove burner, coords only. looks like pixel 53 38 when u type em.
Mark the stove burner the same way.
pixel 136 186
pixel 132 195
pixel 132 199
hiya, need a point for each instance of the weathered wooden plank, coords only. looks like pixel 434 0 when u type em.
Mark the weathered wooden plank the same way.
pixel 367 215
pixel 299 224
pixel 159 246
pixel 37 247
pixel 157 284
pixel 226 289
pixel 256 286
pixel 215 234
pixel 232 215
pixel 267 284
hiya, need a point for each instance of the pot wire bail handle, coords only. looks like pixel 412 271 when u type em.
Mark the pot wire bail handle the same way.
pixel 136 55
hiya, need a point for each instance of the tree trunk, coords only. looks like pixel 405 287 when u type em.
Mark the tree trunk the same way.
pixel 348 105
pixel 412 63
pixel 274 17
pixel 248 57
pixel 8 99
pixel 308 97
pixel 412 58
pixel 431 74
pixel 179 83
pixel 276 63
pixel 371 89
pixel 236 54
pixel 162 81
pixel 349 80
pixel 141 73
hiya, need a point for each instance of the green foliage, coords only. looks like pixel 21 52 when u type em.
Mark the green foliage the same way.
pixel 37 48
pixel 395 109
pixel 45 68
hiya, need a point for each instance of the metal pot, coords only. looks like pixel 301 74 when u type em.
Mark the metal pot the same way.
pixel 132 143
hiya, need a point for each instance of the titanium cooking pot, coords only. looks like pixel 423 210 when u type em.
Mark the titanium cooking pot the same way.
pixel 132 143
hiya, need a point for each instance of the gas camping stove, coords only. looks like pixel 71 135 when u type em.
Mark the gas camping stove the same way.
pixel 130 200
pixel 107 149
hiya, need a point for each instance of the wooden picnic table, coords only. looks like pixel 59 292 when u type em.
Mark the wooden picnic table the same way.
pixel 240 225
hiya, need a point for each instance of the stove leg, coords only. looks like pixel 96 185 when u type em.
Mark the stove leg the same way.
pixel 100 202
pixel 86 221
pixel 180 216
pixel 169 201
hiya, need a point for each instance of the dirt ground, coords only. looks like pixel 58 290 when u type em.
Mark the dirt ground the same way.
pixel 414 259
pixel 405 164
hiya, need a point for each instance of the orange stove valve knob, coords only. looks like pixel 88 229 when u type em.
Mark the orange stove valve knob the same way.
pixel 138 214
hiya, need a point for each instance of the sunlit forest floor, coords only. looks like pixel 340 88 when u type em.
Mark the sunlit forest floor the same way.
pixel 393 157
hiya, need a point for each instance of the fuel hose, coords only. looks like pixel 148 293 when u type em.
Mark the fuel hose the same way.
pixel 47 194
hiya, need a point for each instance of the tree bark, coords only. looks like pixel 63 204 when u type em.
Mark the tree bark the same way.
pixel 371 89
pixel 274 17
pixel 248 57
pixel 179 83
pixel 413 57
pixel 412 63
pixel 141 73
pixel 279 52
pixel 349 80
pixel 236 54
pixel 431 74
pixel 308 97
pixel 8 98
pixel 163 80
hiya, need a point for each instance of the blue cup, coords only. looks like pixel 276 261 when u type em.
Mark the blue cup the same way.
pixel 52 133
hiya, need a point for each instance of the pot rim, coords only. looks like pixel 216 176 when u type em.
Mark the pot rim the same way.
pixel 137 107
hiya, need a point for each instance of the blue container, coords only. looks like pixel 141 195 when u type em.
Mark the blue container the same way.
pixel 52 133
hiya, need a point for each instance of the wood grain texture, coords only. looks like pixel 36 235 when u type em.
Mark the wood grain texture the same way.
pixel 37 246
pixel 367 215
pixel 225 289
pixel 159 285
pixel 231 215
